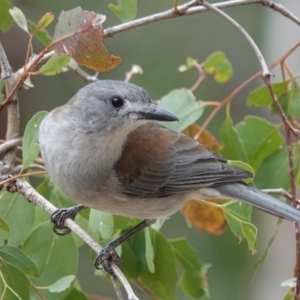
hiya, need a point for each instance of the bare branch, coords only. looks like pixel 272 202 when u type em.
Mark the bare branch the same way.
pixel 281 9
pixel 8 145
pixel 135 69
pixel 32 195
pixel 192 8
pixel 259 55
pixel 6 70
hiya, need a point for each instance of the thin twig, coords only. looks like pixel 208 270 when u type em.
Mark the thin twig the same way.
pixel 8 145
pixel 79 71
pixel 13 114
pixel 135 69
pixel 191 8
pixel 281 9
pixel 6 70
pixel 235 24
pixel 32 195
pixel 200 78
pixel 235 92
pixel 280 192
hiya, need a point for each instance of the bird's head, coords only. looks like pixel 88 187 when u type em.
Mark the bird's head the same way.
pixel 109 104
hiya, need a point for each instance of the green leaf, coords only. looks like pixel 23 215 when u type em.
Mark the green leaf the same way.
pixel 218 65
pixel 260 139
pixel 243 166
pixel 4 226
pixel 5 18
pixel 16 284
pixel 262 259
pixel 75 294
pixel 55 65
pixel 60 285
pixel 262 96
pixel 18 213
pixel 19 18
pixel 190 63
pixel 55 256
pixel 100 222
pixel 192 280
pixel 294 101
pixel 290 295
pixel 184 105
pixel 45 21
pixel 42 35
pixel 138 247
pixel 19 259
pixel 149 253
pixel 164 281
pixel 130 265
pixel 1 88
pixel 233 147
pixel 30 140
pixel 51 192
pixel 125 11
pixel 238 216
pixel 274 171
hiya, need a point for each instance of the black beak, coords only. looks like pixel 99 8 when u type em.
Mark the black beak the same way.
pixel 157 113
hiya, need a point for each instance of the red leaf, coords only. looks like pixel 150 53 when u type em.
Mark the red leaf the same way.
pixel 79 34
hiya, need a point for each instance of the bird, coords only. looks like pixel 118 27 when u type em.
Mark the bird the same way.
pixel 105 150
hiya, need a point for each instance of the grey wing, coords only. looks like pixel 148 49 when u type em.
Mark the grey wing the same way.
pixel 160 162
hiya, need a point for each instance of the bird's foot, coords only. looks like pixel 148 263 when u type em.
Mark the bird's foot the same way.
pixel 59 216
pixel 107 256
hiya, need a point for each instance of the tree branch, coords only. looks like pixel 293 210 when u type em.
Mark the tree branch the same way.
pixel 32 195
pixel 192 8
pixel 13 114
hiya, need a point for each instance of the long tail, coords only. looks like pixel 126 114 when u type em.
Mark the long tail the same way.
pixel 259 199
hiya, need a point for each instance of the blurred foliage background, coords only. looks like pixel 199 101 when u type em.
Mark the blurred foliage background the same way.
pixel 159 48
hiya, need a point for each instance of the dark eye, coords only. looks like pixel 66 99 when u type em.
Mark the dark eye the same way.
pixel 117 102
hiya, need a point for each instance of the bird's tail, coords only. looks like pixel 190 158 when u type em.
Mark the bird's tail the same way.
pixel 259 199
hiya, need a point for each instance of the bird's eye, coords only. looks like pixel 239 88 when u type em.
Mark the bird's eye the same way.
pixel 117 102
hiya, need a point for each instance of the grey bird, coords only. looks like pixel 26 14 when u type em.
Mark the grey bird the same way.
pixel 104 150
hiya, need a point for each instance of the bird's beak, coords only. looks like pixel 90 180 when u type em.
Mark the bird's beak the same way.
pixel 157 113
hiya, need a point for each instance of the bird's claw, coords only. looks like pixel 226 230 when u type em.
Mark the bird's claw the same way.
pixel 107 256
pixel 58 219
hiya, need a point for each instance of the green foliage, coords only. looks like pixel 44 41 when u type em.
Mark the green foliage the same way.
pixel 184 105
pixel 100 224
pixel 163 282
pixel 288 95
pixel 61 284
pixel 30 140
pixel 20 224
pixel 19 18
pixel 238 216
pixel 260 139
pixel 5 18
pixel 41 35
pixel 1 88
pixel 233 147
pixel 14 283
pixel 192 279
pixel 55 65
pixel 125 10
pixel 33 258
pixel 218 65
pixel 19 259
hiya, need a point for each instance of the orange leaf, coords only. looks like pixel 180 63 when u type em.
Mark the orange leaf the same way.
pixel 206 138
pixel 203 216
pixel 79 34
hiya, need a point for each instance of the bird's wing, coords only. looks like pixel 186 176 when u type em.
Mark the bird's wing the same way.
pixel 158 162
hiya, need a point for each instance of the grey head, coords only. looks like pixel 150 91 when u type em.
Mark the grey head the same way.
pixel 109 104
